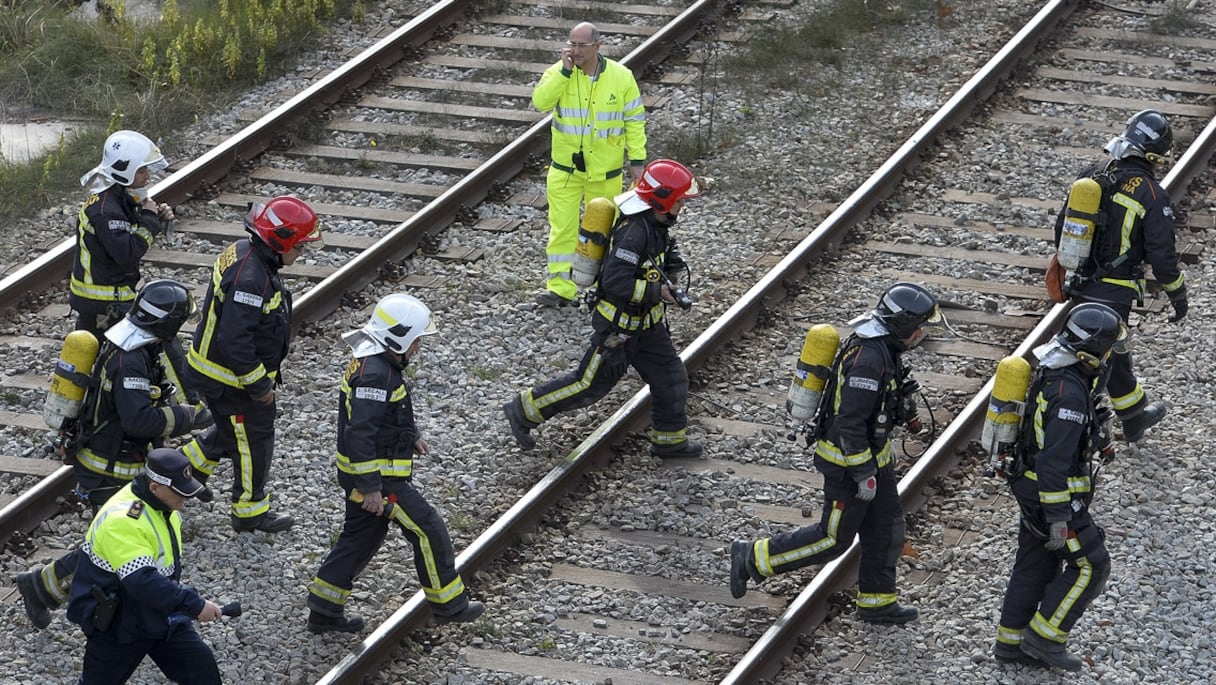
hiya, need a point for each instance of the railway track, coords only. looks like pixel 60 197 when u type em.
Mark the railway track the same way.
pixel 657 583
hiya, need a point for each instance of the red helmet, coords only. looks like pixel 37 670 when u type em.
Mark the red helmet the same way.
pixel 283 223
pixel 664 183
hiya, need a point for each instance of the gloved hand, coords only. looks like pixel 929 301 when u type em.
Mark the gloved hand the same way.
pixel 867 488
pixel 1057 534
pixel 187 423
pixel 1178 299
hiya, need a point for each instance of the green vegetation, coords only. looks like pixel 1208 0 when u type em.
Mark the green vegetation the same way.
pixel 151 76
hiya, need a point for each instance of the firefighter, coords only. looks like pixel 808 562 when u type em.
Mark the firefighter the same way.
pixel 238 349
pixel 377 441
pixel 598 118
pixel 1061 563
pixel 128 409
pixel 628 326
pixel 865 399
pixel 1138 228
pixel 127 595
pixel 114 230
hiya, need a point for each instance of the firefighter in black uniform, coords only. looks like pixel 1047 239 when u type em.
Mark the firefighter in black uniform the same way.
pixel 1139 227
pixel 128 408
pixel 127 595
pixel 377 441
pixel 635 287
pixel 1052 479
pixel 869 393
pixel 114 230
pixel 239 345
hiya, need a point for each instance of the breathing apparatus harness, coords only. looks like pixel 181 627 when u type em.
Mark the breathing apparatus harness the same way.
pixel 899 407
pixel 1105 260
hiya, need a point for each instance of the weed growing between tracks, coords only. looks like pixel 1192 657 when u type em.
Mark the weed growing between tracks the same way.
pixel 153 76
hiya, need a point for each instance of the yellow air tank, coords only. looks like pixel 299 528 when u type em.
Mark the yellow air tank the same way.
pixel 593 240
pixel 811 372
pixel 1004 416
pixel 1077 236
pixel 70 378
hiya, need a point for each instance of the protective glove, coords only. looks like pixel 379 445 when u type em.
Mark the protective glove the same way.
pixel 867 488
pixel 187 423
pixel 1057 535
pixel 1178 299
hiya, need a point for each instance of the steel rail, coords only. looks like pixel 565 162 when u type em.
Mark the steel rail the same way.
pixel 45 272
pixel 809 608
pixel 403 240
pixel 595 451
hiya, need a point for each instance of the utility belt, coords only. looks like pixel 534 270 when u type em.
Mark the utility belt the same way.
pixel 125 466
pixel 625 321
pixel 570 170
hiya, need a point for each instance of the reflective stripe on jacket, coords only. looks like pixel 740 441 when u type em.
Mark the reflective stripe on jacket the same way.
pixel 376 428
pixel 602 117
pixel 245 331
pixel 113 233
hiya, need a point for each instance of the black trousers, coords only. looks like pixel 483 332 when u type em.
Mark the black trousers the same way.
pixel 649 351
pixel 243 433
pixel 879 523
pixel 1049 590
pixel 362 535
pixel 182 656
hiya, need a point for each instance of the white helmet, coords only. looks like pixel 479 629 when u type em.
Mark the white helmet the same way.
pixel 397 321
pixel 125 153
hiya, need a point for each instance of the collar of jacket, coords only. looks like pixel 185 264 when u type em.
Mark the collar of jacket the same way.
pixel 273 259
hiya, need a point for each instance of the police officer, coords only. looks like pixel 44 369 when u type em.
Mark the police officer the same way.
pixel 597 116
pixel 1052 480
pixel 866 397
pixel 128 408
pixel 238 349
pixel 114 230
pixel 127 594
pixel 377 441
pixel 1139 228
pixel 635 288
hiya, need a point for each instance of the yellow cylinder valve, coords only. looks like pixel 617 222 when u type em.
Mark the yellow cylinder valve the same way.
pixel 593 240
pixel 70 379
pixel 811 372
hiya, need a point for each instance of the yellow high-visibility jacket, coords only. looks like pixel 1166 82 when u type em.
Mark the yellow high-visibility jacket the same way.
pixel 602 117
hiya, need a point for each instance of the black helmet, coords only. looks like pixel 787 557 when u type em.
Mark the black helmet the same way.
pixel 906 307
pixel 1149 133
pixel 161 307
pixel 1091 331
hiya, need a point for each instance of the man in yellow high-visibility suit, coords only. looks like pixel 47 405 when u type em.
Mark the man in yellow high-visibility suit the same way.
pixel 597 116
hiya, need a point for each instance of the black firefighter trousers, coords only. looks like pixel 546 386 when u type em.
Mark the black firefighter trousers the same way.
pixel 1049 590
pixel 362 535
pixel 879 523
pixel 648 350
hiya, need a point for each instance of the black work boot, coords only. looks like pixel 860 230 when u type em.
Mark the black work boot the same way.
pixel 740 559
pixel 521 427
pixel 1139 421
pixel 689 449
pixel 471 613
pixel 1013 654
pixel 33 596
pixel 892 613
pixel 346 623
pixel 270 522
pixel 1049 652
